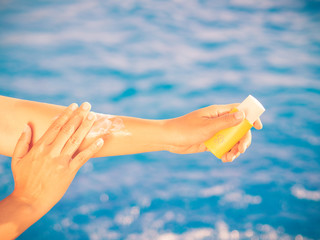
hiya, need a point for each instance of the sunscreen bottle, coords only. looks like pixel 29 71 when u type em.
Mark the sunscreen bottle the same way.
pixel 225 139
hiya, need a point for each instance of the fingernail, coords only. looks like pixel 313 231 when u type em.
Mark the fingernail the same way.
pixel 238 115
pixel 91 116
pixel 73 106
pixel 233 158
pixel 99 142
pixel 85 106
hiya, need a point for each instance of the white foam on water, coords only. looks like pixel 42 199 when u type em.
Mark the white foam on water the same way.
pixel 301 193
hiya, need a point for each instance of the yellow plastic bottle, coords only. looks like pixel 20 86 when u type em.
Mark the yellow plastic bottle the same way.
pixel 225 139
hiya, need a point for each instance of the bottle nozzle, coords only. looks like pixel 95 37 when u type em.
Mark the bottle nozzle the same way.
pixel 252 108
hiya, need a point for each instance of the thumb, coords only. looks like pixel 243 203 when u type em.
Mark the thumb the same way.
pixel 23 145
pixel 226 121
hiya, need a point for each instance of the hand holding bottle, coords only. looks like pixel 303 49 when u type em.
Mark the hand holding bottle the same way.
pixel 189 132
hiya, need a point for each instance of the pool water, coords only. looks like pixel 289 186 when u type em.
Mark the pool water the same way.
pixel 162 59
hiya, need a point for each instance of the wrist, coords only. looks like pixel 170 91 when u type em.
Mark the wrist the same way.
pixel 149 135
pixel 154 135
pixel 22 202
pixel 164 135
pixel 32 205
pixel 172 134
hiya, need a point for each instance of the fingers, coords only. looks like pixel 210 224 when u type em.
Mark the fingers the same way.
pixel 225 121
pixel 49 136
pixel 237 149
pixel 245 142
pixel 70 127
pixel 228 107
pixel 231 155
pixel 23 145
pixel 86 154
pixel 74 142
pixel 217 110
pixel 258 124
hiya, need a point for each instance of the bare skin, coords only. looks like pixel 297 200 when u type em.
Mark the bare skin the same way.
pixel 46 158
pixel 185 134
pixel 43 173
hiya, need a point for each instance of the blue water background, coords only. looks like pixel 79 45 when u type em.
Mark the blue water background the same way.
pixel 162 59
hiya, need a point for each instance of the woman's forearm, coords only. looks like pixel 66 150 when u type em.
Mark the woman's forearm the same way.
pixel 126 135
pixel 123 135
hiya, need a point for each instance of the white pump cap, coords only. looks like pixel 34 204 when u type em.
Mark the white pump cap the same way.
pixel 252 108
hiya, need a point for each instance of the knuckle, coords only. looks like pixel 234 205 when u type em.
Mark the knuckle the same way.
pixel 82 157
pixel 67 129
pixel 61 120
pixel 76 121
pixel 37 145
pixel 74 140
pixel 67 114
pixel 228 118
pixel 77 117
pixel 56 126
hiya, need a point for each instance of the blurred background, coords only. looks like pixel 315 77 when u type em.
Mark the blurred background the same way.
pixel 161 59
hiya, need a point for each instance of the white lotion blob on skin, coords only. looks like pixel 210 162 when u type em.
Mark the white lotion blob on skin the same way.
pixel 105 124
pixel 108 124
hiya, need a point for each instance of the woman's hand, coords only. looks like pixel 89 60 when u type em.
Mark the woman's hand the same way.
pixel 189 132
pixel 43 173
